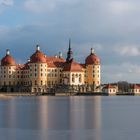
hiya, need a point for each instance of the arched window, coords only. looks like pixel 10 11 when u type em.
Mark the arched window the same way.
pixel 35 90
pixel 41 82
pixel 35 82
pixel 35 75
pixel 73 80
pixel 80 79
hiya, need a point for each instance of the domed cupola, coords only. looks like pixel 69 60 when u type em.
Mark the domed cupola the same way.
pixel 8 60
pixel 38 56
pixel 92 58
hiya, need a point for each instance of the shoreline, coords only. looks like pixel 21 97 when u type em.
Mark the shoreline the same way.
pixel 17 94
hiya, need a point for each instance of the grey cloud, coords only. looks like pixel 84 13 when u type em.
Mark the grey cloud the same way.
pixel 129 50
pixel 125 71
pixel 113 32
pixel 6 2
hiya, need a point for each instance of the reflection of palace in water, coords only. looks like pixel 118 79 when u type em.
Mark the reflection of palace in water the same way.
pixel 80 109
pixel 42 72
pixel 53 118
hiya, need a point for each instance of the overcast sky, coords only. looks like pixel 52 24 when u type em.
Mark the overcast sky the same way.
pixel 111 27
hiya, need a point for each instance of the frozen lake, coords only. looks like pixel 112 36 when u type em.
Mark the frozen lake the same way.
pixel 70 118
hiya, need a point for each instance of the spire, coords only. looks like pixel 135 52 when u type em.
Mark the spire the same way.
pixel 7 52
pixel 69 44
pixel 92 51
pixel 60 55
pixel 38 47
pixel 69 53
pixel 28 60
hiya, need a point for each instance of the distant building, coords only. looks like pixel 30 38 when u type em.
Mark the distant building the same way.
pixel 110 89
pixel 134 89
pixel 42 72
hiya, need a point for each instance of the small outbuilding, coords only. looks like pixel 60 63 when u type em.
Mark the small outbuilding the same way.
pixel 134 89
pixel 110 89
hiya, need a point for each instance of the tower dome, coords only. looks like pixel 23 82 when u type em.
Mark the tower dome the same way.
pixel 92 58
pixel 38 56
pixel 8 60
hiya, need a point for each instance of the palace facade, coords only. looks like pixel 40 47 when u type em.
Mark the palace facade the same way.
pixel 42 72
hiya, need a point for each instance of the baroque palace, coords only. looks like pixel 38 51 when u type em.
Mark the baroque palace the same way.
pixel 42 72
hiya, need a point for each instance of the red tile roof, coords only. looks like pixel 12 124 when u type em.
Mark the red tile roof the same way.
pixel 108 86
pixel 72 66
pixel 55 61
pixel 134 86
pixel 19 67
pixel 83 66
